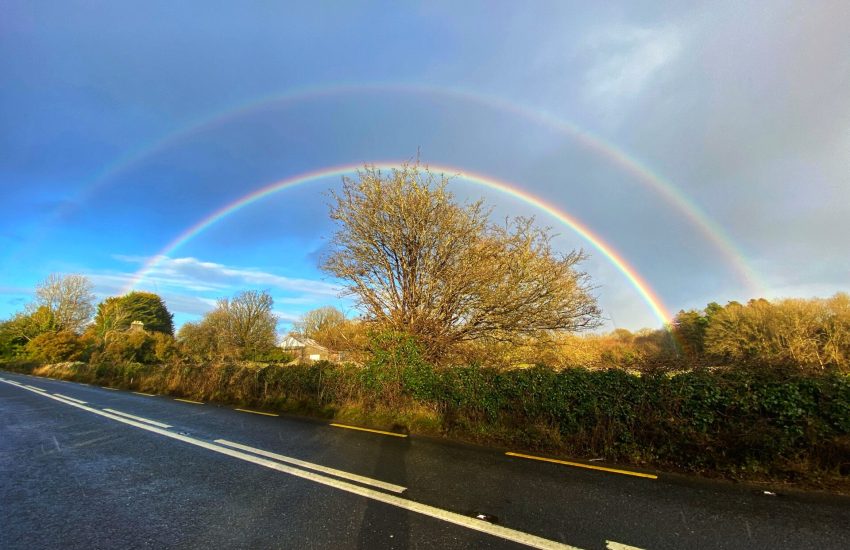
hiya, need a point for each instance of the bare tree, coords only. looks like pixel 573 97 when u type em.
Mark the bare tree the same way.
pixel 245 323
pixel 317 320
pixel 419 262
pixel 68 298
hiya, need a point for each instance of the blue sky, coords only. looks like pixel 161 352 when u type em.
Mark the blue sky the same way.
pixel 123 124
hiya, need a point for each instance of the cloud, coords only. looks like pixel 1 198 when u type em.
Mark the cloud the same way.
pixel 191 305
pixel 627 59
pixel 286 316
pixel 194 274
pixel 16 290
pixel 191 287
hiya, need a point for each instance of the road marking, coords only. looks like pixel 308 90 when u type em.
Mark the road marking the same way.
pixel 108 388
pixel 588 466
pixel 69 398
pixel 139 418
pixel 367 430
pixel 318 467
pixel 34 388
pixel 256 412
pixel 143 393
pixel 438 513
pixel 612 545
pixel 189 401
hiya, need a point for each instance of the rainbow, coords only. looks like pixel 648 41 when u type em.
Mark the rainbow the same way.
pixel 640 173
pixel 658 308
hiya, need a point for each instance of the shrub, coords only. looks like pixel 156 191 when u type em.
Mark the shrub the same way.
pixel 55 347
pixel 138 347
pixel 273 355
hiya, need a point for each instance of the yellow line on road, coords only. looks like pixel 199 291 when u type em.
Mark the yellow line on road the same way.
pixel 255 412
pixel 189 401
pixel 588 466
pixel 143 393
pixel 368 430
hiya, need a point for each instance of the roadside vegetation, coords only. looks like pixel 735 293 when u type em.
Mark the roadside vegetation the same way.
pixel 481 332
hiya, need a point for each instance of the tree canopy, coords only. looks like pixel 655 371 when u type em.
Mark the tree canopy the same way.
pixel 421 263
pixel 118 312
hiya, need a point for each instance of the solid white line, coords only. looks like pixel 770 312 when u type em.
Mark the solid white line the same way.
pixel 70 398
pixel 318 467
pixel 34 388
pixel 399 502
pixel 139 418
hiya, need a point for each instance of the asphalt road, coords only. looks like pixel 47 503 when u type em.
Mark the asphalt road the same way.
pixel 85 467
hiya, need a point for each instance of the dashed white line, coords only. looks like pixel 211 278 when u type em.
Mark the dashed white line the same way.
pixel 34 388
pixel 317 467
pixel 139 418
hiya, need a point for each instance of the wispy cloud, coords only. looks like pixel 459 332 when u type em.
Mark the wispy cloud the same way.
pixel 16 290
pixel 286 316
pixel 191 286
pixel 626 59
pixel 194 274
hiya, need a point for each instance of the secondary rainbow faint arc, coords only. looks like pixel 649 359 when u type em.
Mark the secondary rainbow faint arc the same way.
pixel 643 288
pixel 712 231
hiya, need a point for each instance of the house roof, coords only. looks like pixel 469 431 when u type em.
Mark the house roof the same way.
pixel 297 342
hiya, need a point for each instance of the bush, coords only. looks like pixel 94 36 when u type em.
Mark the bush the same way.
pixel 274 355
pixel 136 346
pixel 56 347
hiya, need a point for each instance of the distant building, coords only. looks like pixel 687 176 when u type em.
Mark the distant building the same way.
pixel 307 349
pixel 137 326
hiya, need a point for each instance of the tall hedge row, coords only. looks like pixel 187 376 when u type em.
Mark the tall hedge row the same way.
pixel 738 422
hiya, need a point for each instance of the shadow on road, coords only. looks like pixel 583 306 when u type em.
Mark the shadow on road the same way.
pixel 385 526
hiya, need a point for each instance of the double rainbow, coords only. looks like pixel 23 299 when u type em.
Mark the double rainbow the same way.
pixel 640 173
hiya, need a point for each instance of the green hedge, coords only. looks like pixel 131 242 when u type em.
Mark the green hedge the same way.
pixel 741 423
